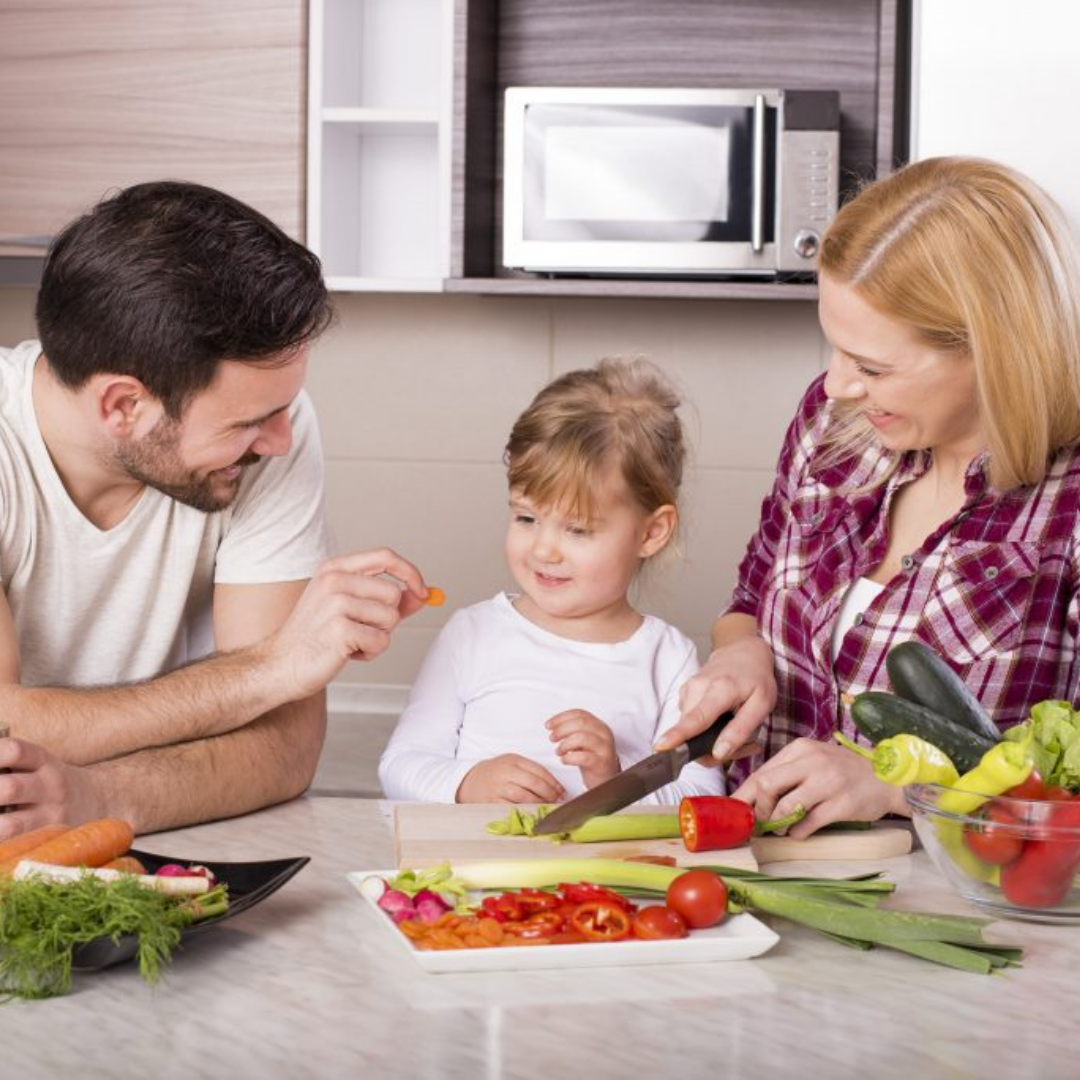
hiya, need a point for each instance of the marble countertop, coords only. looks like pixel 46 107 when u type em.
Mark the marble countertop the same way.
pixel 307 985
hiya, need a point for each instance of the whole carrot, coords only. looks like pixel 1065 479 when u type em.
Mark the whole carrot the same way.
pixel 92 844
pixel 11 851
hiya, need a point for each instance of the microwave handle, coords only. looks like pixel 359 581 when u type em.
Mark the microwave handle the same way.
pixel 757 150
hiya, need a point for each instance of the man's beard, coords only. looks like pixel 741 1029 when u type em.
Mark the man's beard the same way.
pixel 154 460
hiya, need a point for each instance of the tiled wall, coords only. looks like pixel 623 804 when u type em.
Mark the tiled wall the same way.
pixel 417 395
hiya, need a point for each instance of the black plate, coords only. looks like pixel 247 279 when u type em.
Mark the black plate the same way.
pixel 248 882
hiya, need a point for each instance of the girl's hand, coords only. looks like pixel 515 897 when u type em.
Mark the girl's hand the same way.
pixel 509 778
pixel 829 782
pixel 737 677
pixel 586 741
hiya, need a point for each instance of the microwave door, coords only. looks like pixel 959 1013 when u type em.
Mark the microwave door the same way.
pixel 677 189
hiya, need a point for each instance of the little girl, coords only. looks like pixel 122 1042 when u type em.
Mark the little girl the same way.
pixel 537 695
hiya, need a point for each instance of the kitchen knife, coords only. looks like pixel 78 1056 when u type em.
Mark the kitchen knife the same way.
pixel 631 784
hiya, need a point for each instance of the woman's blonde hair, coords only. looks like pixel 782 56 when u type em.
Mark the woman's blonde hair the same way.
pixel 621 414
pixel 977 259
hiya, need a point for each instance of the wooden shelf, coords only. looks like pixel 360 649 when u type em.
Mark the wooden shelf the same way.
pixel 633 288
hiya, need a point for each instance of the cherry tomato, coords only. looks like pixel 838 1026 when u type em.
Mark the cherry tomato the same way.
pixel 1031 788
pixel 700 897
pixel 994 841
pixel 656 922
pixel 599 920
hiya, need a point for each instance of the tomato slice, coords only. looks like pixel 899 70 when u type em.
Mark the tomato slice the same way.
pixel 599 920
pixel 659 923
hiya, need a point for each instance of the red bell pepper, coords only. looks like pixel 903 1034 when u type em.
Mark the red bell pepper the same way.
pixel 1043 874
pixel 711 822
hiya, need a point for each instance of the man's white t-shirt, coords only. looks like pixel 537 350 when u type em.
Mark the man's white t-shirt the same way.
pixel 94 607
pixel 493 678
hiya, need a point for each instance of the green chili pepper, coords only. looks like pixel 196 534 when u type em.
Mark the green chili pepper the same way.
pixel 906 759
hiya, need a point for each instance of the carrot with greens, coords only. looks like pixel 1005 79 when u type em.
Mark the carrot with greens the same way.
pixel 11 851
pixel 93 844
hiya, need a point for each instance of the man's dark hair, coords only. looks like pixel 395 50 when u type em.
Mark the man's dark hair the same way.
pixel 164 280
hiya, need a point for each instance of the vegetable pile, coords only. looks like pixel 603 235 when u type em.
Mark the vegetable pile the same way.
pixel 933 731
pixel 530 902
pixel 62 887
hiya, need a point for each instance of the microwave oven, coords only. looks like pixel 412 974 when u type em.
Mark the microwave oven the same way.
pixel 668 182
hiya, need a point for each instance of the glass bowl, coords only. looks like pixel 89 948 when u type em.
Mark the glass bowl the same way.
pixel 1017 858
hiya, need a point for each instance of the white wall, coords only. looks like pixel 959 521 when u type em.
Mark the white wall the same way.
pixel 1001 79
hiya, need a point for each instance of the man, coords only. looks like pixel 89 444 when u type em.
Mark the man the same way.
pixel 170 618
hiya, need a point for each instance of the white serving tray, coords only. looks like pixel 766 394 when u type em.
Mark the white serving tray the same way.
pixel 738 937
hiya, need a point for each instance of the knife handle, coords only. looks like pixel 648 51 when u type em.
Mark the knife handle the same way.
pixel 701 744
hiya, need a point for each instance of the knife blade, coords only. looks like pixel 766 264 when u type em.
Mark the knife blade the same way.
pixel 631 784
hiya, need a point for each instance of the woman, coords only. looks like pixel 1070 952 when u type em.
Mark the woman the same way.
pixel 929 487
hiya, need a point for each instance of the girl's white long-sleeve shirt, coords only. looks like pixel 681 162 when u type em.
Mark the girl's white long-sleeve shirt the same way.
pixel 492 679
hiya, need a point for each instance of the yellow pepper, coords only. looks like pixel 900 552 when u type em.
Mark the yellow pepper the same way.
pixel 1002 767
pixel 906 759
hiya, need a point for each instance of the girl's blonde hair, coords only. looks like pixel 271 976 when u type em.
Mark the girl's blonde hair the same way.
pixel 977 259
pixel 620 414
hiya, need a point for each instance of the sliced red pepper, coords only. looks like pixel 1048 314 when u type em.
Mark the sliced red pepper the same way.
pixel 582 892
pixel 505 908
pixel 539 924
pixel 599 920
pixel 533 900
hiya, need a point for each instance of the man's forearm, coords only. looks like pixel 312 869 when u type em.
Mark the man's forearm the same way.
pixel 268 761
pixel 208 698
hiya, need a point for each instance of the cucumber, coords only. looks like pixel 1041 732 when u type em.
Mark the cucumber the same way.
pixel 879 716
pixel 921 675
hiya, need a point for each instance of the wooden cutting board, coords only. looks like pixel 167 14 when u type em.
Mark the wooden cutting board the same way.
pixel 426 834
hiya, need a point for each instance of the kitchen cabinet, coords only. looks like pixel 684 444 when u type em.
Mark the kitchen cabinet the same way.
pixel 379 142
pixel 405 116
pixel 99 96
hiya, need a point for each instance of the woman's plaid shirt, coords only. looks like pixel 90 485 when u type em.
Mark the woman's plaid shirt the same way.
pixel 993 590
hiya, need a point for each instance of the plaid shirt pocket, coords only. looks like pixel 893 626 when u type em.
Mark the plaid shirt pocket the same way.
pixel 980 598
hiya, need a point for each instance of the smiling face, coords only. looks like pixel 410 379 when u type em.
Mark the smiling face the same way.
pixel 916 397
pixel 574 575
pixel 239 418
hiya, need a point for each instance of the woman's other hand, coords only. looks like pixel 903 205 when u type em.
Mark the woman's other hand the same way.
pixel 828 781
pixel 737 677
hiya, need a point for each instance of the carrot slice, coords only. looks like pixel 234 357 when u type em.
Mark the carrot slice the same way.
pixel 435 596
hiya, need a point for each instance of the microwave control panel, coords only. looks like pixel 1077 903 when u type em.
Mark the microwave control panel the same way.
pixel 809 194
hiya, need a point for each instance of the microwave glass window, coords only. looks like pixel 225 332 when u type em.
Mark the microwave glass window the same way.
pixel 627 173
pixel 642 173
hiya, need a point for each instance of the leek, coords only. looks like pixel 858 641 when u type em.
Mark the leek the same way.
pixel 842 909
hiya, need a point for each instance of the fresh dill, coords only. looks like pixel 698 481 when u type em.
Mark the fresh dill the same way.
pixel 41 924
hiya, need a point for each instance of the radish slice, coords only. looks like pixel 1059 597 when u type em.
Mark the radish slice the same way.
pixel 373 887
